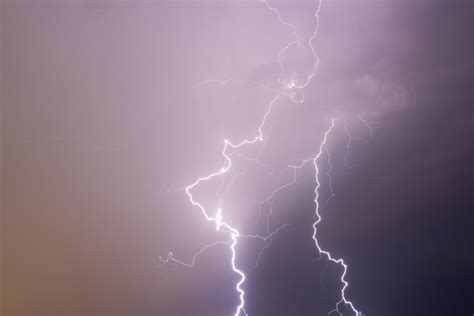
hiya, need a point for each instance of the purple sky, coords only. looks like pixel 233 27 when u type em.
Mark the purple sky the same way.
pixel 104 115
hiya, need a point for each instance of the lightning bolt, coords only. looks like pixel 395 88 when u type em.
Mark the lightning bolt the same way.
pixel 339 261
pixel 290 88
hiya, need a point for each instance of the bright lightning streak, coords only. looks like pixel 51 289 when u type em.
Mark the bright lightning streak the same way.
pixel 288 89
pixel 218 218
pixel 318 220
pixel 220 224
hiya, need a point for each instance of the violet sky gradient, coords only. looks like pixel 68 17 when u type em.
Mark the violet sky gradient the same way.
pixel 103 118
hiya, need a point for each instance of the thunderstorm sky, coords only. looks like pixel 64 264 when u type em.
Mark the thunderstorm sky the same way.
pixel 109 109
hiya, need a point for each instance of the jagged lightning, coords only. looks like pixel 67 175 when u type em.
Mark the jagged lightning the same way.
pixel 318 220
pixel 292 89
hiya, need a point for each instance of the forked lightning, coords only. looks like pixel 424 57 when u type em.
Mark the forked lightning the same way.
pixel 290 88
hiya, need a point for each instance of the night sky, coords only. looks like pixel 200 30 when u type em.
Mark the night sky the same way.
pixel 110 108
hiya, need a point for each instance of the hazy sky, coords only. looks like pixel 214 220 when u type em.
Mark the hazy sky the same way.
pixel 106 115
